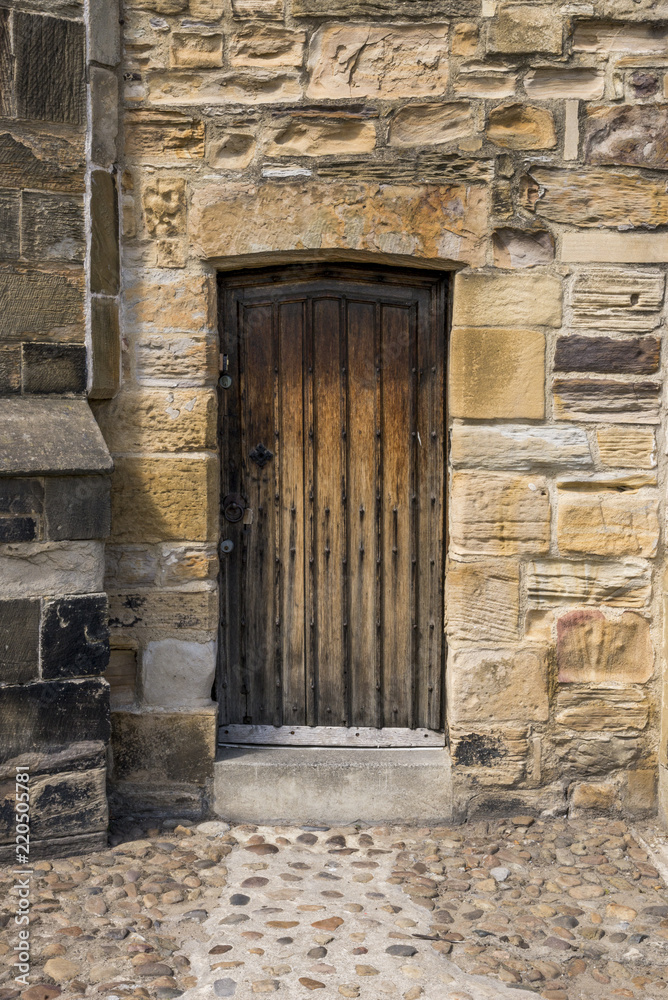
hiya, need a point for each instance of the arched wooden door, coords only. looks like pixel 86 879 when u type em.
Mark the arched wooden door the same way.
pixel 333 520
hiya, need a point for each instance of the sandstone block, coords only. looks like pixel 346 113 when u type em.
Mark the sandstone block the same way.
pixel 525 28
pixel 626 583
pixel 597 797
pixel 597 197
pixel 211 87
pixel 427 9
pixel 608 525
pixel 611 36
pixel 562 82
pixel 265 45
pixel 206 10
pixel 482 600
pixel 163 499
pixel 519 126
pixel 230 148
pixel 441 221
pixel 161 301
pixel 176 361
pixel 105 347
pixel 634 135
pixel 121 675
pixel 196 51
pixel 181 564
pixel 36 301
pixel 518 448
pixel 594 649
pixel 496 372
pixel 521 300
pixel 265 9
pixel 165 206
pixel 32 569
pixel 104 250
pixel 626 447
pixel 378 61
pixel 522 248
pixel 614 248
pixel 147 614
pixel 130 564
pixel 465 39
pixel 497 685
pixel 159 136
pixel 164 747
pixel 302 137
pixel 104 115
pixel 496 514
pixel 615 710
pixel 159 420
pixel 478 79
pixel 606 400
pixel 178 674
pixel 430 124
pixel 571 129
pixel 618 299
pixel 499 755
pixel 611 355
pixel 640 795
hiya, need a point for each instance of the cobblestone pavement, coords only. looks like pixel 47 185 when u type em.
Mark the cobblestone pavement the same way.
pixel 563 909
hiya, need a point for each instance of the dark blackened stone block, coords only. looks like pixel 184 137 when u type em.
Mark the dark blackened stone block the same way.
pixel 623 356
pixel 77 507
pixel 61 805
pixel 19 641
pixel 18 529
pixel 60 169
pixel 21 496
pixel 74 636
pixel 52 227
pixel 54 368
pixel 106 348
pixel 36 301
pixel 50 74
pixel 6 65
pixel 52 715
pixel 10 369
pixel 423 9
pixel 104 261
pixel 9 224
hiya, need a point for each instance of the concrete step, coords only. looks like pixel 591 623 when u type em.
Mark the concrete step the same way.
pixel 332 785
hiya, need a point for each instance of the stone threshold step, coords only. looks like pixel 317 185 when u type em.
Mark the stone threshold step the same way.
pixel 328 785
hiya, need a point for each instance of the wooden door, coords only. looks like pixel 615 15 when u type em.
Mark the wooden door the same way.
pixel 333 439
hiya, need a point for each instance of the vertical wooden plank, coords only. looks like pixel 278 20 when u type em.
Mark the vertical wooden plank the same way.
pixel 396 366
pixel 258 594
pixel 291 510
pixel 310 591
pixel 361 449
pixel 329 513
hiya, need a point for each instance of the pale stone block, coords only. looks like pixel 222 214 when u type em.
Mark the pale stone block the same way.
pixel 614 248
pixel 303 137
pixel 518 448
pixel 571 130
pixel 510 300
pixel 178 674
pixel 497 685
pixel 525 28
pixel 223 88
pixel 104 32
pixel 130 564
pixel 640 794
pixel 596 198
pixel 206 10
pixel 522 248
pixel 496 514
pixel 619 584
pixel 496 373
pixel 545 83
pixel 379 61
pixel 164 499
pixel 144 614
pixel 618 299
pixel 230 148
pixel 430 124
pixel 592 649
pixel 465 39
pixel 626 447
pixel 271 10
pixel 159 420
pixel 614 710
pixel 162 301
pixel 176 361
pixel 613 36
pixel 477 79
pixel 266 45
pixel 181 564
pixel 32 569
pixel 104 115
pixel 482 600
pixel 599 797
pixel 519 126
pixel 201 50
pixel 608 525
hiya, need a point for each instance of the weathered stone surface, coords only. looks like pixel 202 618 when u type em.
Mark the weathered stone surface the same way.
pixel 160 499
pixel 104 33
pixel 597 197
pixel 10 369
pixel 159 420
pixel 614 248
pixel 211 87
pixel 430 124
pixel 616 710
pixel 518 448
pixel 230 148
pixel 304 137
pixel 594 649
pixel 614 356
pixel 19 641
pixel 608 525
pixel 176 361
pixel 445 222
pixel 497 685
pixel 484 79
pixel 482 601
pixel 162 136
pixel 50 77
pixel 525 28
pixel 615 36
pixel 499 755
pixel 465 37
pixel 181 564
pixel 164 202
pixel 52 714
pixel 104 275
pixel 495 514
pixel 37 301
pixel 520 126
pixel 35 568
pixel 121 675
pixel 640 794
pixel 104 115
pixel 162 301
pixel 522 248
pixel 206 10
pixel 557 82
pixel 50 435
pixel 77 507
pixel 634 135
pixel 106 347
pixel 148 613
pixel 178 674
pixel 496 372
pixel 10 213
pixel 65 804
pixel 378 61
pixel 626 583
pixel 427 9
pixel 626 447
pixel 74 637
pixel 609 400
pixel 265 45
pixel 598 797
pixel 164 747
pixel 53 368
pixel 618 299
pixel 201 50
pixel 511 300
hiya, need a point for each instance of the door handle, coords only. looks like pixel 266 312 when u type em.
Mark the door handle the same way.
pixel 234 506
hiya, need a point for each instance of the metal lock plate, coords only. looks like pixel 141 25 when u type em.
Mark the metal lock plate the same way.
pixel 225 381
pixel 227 545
